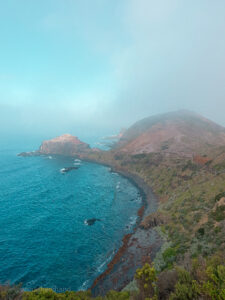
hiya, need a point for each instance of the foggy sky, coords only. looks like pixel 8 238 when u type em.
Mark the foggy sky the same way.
pixel 81 66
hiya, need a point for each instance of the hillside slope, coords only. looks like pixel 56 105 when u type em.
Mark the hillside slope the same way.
pixel 182 132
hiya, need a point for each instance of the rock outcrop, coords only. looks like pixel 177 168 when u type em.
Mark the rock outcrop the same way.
pixel 153 220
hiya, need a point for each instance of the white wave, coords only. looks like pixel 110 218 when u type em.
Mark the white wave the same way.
pixel 128 227
pixel 86 222
pixel 114 173
pixel 50 157
pixel 84 285
pixel 62 170
pixel 133 220
pixel 77 160
pixel 100 269
pixel 139 199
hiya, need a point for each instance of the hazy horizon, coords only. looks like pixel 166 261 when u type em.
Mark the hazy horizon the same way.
pixel 93 67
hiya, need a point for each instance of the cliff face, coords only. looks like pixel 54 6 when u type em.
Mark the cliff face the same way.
pixel 181 132
pixel 65 144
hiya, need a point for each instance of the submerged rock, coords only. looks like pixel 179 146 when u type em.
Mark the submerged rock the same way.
pixel 90 222
pixel 65 170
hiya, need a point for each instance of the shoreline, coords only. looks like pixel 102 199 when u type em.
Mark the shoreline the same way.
pixel 137 247
pixel 144 189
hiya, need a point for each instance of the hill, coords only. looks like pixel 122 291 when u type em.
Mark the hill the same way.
pixel 181 132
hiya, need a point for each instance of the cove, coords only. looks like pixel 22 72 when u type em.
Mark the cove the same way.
pixel 45 239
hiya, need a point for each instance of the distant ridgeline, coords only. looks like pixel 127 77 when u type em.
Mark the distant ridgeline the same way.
pixel 181 156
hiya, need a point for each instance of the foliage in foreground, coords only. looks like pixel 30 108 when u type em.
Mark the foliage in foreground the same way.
pixel 205 280
pixel 45 293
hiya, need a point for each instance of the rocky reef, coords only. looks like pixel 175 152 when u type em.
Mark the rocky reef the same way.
pixel 27 154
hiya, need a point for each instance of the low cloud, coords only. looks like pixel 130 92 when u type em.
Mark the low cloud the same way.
pixel 107 64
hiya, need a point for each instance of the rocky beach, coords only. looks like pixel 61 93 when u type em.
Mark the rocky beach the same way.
pixel 137 248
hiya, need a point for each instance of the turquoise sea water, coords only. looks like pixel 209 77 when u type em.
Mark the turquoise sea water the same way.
pixel 43 237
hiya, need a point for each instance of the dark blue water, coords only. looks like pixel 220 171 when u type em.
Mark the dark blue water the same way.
pixel 43 238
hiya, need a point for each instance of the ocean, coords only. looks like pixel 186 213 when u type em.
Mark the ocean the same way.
pixel 44 237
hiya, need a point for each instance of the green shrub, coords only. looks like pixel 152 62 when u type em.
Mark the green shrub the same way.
pixel 201 231
pixel 215 285
pixel 42 294
pixel 219 196
pixel 146 280
pixel 113 295
pixel 217 229
pixel 219 214
pixel 186 288
pixel 169 256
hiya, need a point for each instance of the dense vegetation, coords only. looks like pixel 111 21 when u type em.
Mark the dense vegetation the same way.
pixel 191 214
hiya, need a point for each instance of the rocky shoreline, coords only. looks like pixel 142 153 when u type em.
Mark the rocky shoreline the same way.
pixel 137 248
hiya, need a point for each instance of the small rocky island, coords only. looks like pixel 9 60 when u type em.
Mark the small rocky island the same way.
pixel 66 145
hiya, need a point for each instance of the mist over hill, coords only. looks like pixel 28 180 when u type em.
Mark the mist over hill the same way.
pixel 182 132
